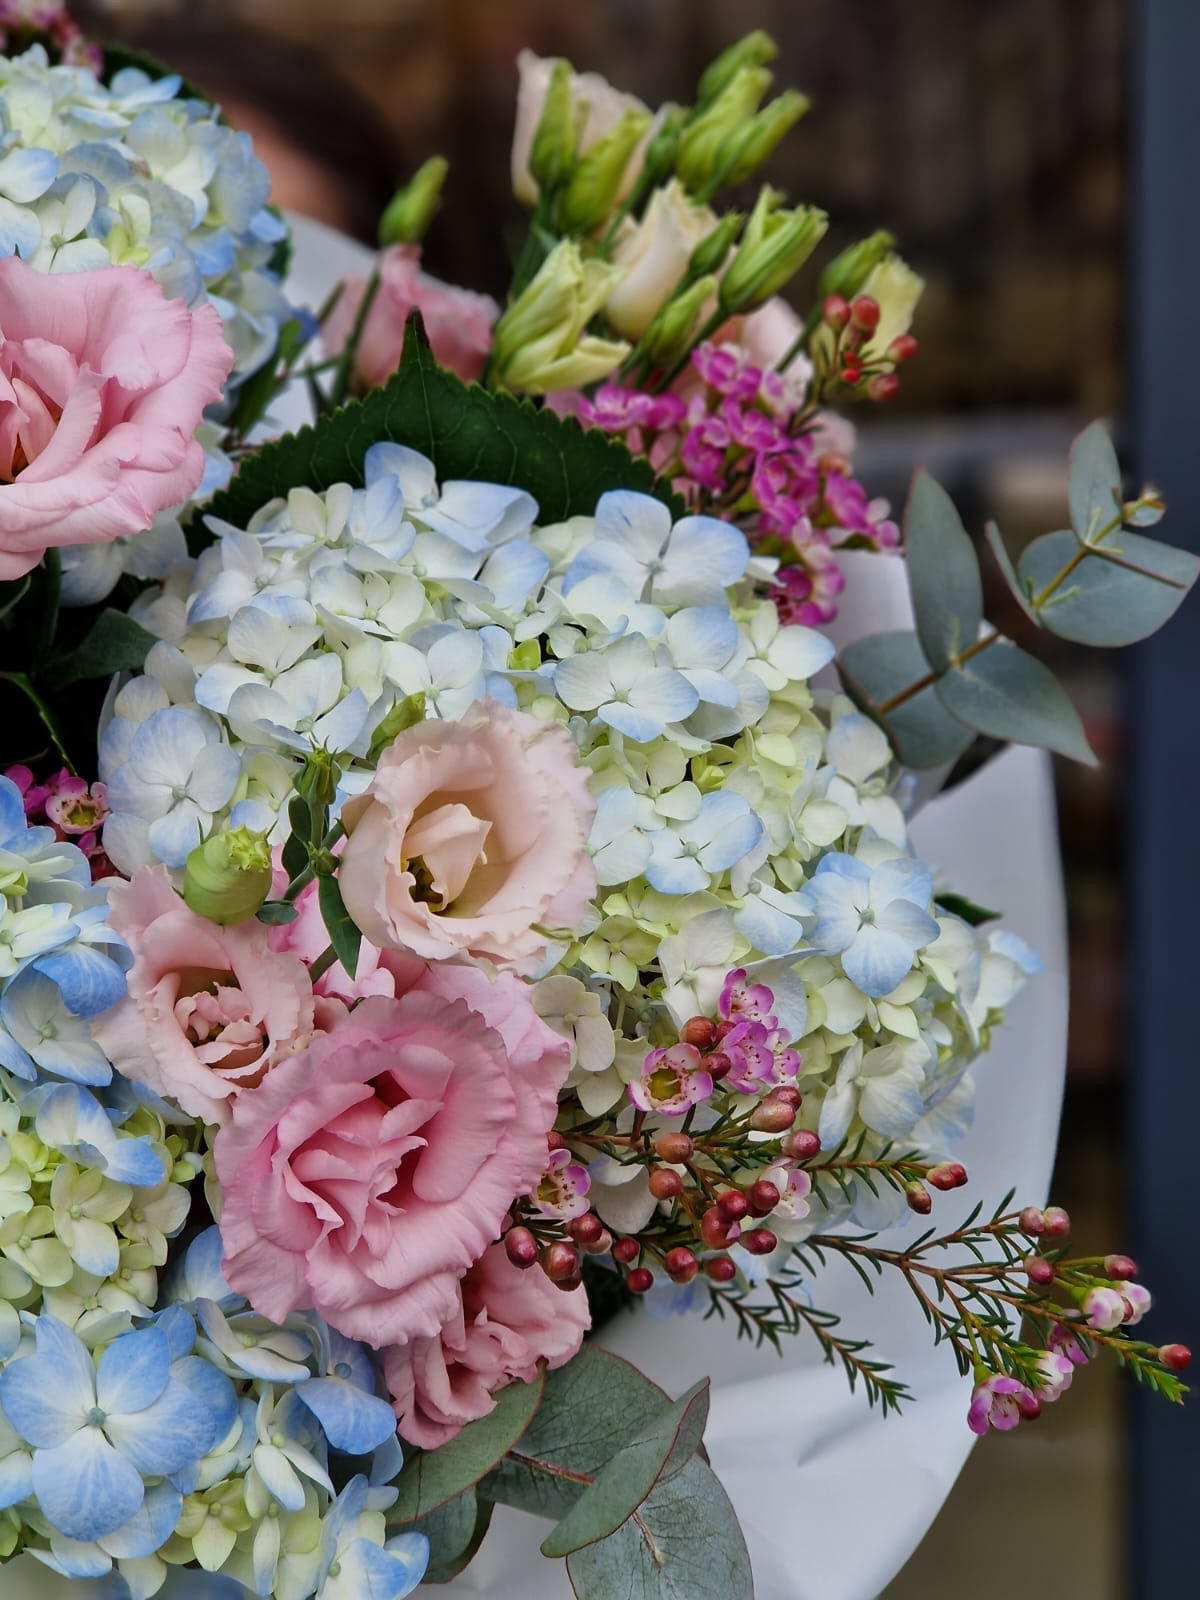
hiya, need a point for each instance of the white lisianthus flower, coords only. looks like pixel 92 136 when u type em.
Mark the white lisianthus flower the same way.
pixel 654 254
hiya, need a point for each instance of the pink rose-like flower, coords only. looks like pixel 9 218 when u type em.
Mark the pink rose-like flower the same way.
pixel 471 835
pixel 103 381
pixel 210 1011
pixel 507 1320
pixel 364 1175
pixel 458 322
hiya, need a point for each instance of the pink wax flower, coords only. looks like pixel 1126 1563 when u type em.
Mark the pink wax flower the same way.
pixel 211 1010
pixel 505 1320
pixel 1104 1309
pixel 33 795
pixel 999 1402
pixel 1138 1301
pixel 1056 1370
pixel 742 999
pixel 673 1080
pixel 103 381
pixel 471 836
pixel 562 1189
pixel 365 1174
pixel 72 806
pixel 458 322
pixel 1063 1341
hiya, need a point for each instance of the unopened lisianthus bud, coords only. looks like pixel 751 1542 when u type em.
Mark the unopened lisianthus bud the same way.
pixel 709 255
pixel 660 151
pixel 673 329
pixel 540 341
pixel 847 272
pixel 754 145
pixel 757 49
pixel 552 153
pixel 412 208
pixel 595 185
pixel 776 244
pixel 704 141
pixel 228 877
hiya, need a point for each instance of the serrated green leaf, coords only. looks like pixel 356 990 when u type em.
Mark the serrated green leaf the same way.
pixel 344 933
pixel 662 1447
pixel 683 1544
pixel 967 911
pixel 115 643
pixel 433 1478
pixel 466 431
pixel 1094 492
pixel 922 732
pixel 1123 590
pixel 255 394
pixel 943 572
pixel 999 550
pixel 455 1531
pixel 1010 695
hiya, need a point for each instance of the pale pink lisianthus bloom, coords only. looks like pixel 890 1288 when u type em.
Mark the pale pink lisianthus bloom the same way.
pixel 210 1011
pixel 471 835
pixel 103 382
pixel 364 1175
pixel 507 1319
pixel 458 322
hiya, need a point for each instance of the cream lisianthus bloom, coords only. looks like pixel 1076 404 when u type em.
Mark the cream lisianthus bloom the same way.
pixel 597 104
pixel 654 254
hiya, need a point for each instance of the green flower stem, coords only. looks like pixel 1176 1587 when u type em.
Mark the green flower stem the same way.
pixel 20 681
pixel 345 366
pixel 322 964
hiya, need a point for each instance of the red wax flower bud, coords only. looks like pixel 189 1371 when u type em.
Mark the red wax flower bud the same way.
pixel 789 1095
pixel 723 1027
pixel 586 1230
pixel 521 1247
pixel 722 1270
pixel 681 1264
pixel 902 348
pixel 1058 1223
pixel 639 1280
pixel 733 1205
pixel 835 313
pixel 864 312
pixel 560 1260
pixel 883 386
pixel 675 1147
pixel 700 1032
pixel 759 1241
pixel 919 1198
pixel 1123 1268
pixel 947 1175
pixel 763 1197
pixel 1040 1271
pixel 1032 1222
pixel 555 1141
pixel 575 1281
pixel 665 1183
pixel 1175 1357
pixel 716 1230
pixel 600 1245
pixel 718 1065
pixel 772 1115
pixel 802 1145
pixel 851 370
pixel 626 1250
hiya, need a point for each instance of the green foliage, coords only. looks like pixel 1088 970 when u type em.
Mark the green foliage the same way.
pixel 943 573
pixel 922 731
pixel 1125 589
pixel 455 1531
pixel 114 643
pixel 959 906
pixel 432 1479
pixel 1094 490
pixel 465 431
pixel 1010 695
pixel 343 931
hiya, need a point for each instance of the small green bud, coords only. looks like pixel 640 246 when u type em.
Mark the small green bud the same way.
pixel 847 272
pixel 412 208
pixel 775 245
pixel 659 159
pixel 541 343
pixel 228 877
pixel 756 143
pixel 552 153
pixel 595 184
pixel 757 49
pixel 702 143
pixel 709 255
pixel 404 714
pixel 526 656
pixel 671 332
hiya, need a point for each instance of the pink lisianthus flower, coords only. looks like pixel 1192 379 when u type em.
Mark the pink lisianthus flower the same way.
pixel 471 836
pixel 1000 1402
pixel 458 322
pixel 103 382
pixel 506 1320
pixel 365 1174
pixel 211 1010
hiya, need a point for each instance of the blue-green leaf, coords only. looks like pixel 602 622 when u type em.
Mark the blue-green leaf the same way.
pixel 435 1477
pixel 943 572
pixel 455 1531
pixel 1003 560
pixel 1123 590
pixel 922 731
pixel 1095 486
pixel 1010 695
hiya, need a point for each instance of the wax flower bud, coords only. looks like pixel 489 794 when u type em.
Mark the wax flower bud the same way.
pixel 704 142
pixel 596 183
pixel 757 49
pixel 412 208
pixel 228 877
pixel 1175 1357
pixel 896 288
pixel 775 245
pixel 848 272
pixel 540 343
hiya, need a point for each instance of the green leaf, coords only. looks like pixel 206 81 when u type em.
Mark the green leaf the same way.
pixel 664 1445
pixel 119 56
pixel 1094 491
pixel 1008 572
pixel 12 593
pixel 259 389
pixel 276 913
pixel 1010 695
pixel 455 1531
pixel 466 431
pixel 922 732
pixel 943 572
pixel 684 1543
pixel 115 643
pixel 433 1478
pixel 1123 590
pixel 959 906
pixel 344 933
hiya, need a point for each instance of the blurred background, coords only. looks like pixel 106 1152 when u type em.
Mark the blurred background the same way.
pixel 992 139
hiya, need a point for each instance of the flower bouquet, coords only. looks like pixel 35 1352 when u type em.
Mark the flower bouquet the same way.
pixel 453 889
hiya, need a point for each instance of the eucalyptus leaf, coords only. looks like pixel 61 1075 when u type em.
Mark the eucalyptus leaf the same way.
pixel 114 643
pixel 433 1478
pixel 467 432
pixel 276 913
pixel 1010 695
pixel 662 1448
pixel 684 1543
pixel 1123 590
pixel 1094 491
pixel 943 572
pixel 922 731
pixel 455 1531
pixel 344 933
pixel 1008 572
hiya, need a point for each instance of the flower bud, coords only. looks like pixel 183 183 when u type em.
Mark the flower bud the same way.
pixel 675 327
pixel 1040 1271
pixel 552 153
pixel 802 1145
pixel 757 49
pixel 1120 1267
pixel 775 245
pixel 722 1270
pixel 716 1230
pixel 540 341
pixel 1175 1357
pixel 756 143
pixel 520 1247
pixel 902 348
pixel 655 258
pixel 709 255
pixel 718 1065
pixel 586 1230
pixel 759 1241
pixel 789 1095
pixel 674 1147
pixel 698 1031
pixel 883 386
pixel 918 1197
pixel 681 1264
pixel 560 1260
pixel 864 313
pixel 404 714
pixel 228 877
pixel 639 1280
pixel 704 140
pixel 595 185
pixel 847 272
pixel 1057 1223
pixel 1032 1222
pixel 412 208
pixel 947 1175
pixel 896 288
pixel 835 312
pixel 763 1197
pixel 772 1115
pixel 733 1205
pixel 665 1183
pixel 660 151
pixel 626 1250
